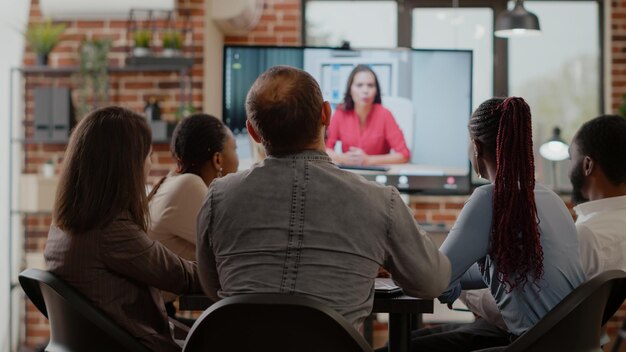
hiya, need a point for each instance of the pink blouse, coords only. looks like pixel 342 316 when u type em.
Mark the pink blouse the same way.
pixel 380 134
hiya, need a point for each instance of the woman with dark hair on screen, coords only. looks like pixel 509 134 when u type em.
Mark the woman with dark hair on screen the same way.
pixel 204 149
pixel 367 131
pixel 513 236
pixel 97 241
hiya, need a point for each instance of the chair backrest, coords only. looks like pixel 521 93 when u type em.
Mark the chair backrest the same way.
pixel 273 322
pixel 575 323
pixel 75 324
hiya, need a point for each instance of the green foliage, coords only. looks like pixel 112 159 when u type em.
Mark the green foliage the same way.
pixel 622 108
pixel 92 79
pixel 42 37
pixel 184 111
pixel 142 37
pixel 172 40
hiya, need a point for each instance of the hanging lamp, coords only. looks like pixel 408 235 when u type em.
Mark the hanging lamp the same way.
pixel 517 23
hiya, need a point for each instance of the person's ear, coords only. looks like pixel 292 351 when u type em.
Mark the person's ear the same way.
pixel 588 166
pixel 326 112
pixel 252 132
pixel 478 148
pixel 217 160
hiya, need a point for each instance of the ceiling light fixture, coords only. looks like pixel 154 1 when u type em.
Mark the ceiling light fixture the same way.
pixel 517 23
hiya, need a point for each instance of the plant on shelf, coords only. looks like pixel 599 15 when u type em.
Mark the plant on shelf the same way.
pixel 92 78
pixel 143 38
pixel 184 111
pixel 42 38
pixel 622 108
pixel 172 43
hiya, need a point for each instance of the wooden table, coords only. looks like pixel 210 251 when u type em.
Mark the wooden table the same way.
pixel 404 315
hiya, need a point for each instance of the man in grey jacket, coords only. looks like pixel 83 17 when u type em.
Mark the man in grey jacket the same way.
pixel 297 224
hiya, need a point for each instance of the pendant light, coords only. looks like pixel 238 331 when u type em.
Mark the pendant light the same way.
pixel 517 22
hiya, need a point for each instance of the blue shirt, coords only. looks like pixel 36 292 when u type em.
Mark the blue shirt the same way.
pixel 468 242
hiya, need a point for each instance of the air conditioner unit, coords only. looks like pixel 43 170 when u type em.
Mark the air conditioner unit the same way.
pixel 98 9
pixel 236 17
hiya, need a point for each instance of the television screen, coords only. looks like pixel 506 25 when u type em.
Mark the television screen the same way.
pixel 428 92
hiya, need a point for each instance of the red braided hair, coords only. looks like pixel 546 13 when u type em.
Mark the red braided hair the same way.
pixel 515 246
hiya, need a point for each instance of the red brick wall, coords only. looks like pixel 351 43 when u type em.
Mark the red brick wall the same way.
pixel 618 53
pixel 280 24
pixel 618 85
pixel 129 89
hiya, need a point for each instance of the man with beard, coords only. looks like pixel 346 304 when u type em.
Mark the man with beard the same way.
pixel 598 176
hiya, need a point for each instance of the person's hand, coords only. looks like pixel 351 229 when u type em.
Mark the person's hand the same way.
pixel 355 156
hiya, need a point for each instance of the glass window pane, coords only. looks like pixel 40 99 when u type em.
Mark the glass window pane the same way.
pixel 460 28
pixel 559 77
pixel 328 23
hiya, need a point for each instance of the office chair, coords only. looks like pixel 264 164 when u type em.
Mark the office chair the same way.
pixel 273 322
pixel 75 324
pixel 575 323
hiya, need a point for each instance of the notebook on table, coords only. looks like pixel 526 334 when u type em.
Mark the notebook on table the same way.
pixel 385 287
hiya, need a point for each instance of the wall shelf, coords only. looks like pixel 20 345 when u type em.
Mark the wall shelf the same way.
pixel 167 64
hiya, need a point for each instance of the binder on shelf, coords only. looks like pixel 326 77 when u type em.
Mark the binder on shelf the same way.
pixel 54 115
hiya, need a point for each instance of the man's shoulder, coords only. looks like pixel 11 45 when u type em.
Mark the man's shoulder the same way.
pixel 230 181
pixel 350 182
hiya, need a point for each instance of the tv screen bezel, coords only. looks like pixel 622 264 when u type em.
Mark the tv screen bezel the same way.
pixel 411 189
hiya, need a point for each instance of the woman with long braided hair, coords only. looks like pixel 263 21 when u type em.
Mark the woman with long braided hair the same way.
pixel 513 236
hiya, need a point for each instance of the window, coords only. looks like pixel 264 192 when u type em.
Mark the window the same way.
pixel 460 28
pixel 558 76
pixel 365 24
pixel 558 73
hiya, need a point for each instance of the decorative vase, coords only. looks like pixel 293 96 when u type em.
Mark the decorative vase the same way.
pixel 170 52
pixel 41 60
pixel 139 52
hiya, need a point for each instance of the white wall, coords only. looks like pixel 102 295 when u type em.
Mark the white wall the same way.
pixel 13 20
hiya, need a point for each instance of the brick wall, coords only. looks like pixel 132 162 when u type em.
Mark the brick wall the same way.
pixel 129 89
pixel 618 53
pixel 280 24
pixel 618 87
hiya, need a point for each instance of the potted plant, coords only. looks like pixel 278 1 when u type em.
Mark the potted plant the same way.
pixel 184 111
pixel 622 108
pixel 42 38
pixel 142 37
pixel 92 78
pixel 172 43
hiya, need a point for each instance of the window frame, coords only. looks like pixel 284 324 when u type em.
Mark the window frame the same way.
pixel 500 45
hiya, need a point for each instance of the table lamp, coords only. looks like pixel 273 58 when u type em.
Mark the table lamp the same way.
pixel 555 149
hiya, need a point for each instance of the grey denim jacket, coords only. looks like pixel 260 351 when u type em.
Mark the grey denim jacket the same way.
pixel 297 224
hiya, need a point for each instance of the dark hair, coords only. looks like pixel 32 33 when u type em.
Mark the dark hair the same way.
pixel 103 171
pixel 603 139
pixel 194 142
pixel 284 105
pixel 348 102
pixel 504 128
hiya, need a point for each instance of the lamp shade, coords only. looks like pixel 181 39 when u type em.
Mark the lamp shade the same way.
pixel 555 149
pixel 517 22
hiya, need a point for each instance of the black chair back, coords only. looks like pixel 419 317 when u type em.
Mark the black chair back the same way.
pixel 575 323
pixel 75 324
pixel 273 322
